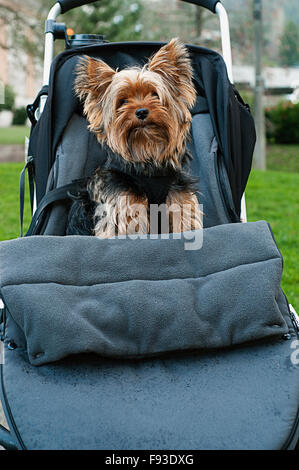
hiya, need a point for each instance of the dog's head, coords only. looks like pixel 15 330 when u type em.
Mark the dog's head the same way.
pixel 143 114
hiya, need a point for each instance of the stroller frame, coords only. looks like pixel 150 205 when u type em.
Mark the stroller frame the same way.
pixel 7 438
pixel 215 7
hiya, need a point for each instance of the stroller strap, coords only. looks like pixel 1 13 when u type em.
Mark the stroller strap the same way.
pixel 30 169
pixel 58 194
pixel 31 108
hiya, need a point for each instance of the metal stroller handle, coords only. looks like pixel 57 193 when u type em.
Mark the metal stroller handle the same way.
pixel 213 5
pixel 67 5
pixel 208 4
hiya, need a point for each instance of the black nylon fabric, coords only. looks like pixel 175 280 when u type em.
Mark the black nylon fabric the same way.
pixel 155 183
pixel 232 122
pixel 155 188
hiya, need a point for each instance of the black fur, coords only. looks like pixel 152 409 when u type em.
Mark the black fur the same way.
pixel 81 214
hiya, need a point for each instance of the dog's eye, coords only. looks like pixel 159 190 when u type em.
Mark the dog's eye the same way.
pixel 122 102
pixel 155 95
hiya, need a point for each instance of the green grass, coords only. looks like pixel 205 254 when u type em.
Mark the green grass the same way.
pixel 283 158
pixel 13 135
pixel 9 201
pixel 272 196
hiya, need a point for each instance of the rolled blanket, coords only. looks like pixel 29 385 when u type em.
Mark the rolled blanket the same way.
pixel 144 297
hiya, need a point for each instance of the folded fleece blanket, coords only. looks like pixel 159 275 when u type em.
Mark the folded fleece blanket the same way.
pixel 136 298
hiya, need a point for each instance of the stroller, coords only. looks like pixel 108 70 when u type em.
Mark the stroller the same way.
pixel 143 344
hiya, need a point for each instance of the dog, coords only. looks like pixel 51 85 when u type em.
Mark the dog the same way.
pixel 142 116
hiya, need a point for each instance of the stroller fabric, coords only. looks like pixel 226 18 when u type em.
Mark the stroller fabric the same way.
pixel 136 298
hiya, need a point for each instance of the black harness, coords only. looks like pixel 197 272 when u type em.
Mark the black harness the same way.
pixel 155 188
pixel 153 182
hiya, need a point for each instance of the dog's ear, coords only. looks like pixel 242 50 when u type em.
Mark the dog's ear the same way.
pixel 92 82
pixel 173 63
pixel 93 77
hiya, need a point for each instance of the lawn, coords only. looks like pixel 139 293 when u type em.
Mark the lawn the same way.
pixel 9 201
pixel 13 135
pixel 283 158
pixel 272 196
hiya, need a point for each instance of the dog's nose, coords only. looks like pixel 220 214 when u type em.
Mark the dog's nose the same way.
pixel 142 113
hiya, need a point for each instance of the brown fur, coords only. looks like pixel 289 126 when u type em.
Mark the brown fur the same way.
pixel 184 212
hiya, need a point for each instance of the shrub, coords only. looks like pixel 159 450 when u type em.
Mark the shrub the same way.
pixel 9 99
pixel 19 117
pixel 282 123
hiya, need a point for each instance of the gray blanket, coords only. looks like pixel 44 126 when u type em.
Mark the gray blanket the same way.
pixel 135 298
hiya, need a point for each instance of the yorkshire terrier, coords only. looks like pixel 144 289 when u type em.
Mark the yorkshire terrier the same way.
pixel 142 115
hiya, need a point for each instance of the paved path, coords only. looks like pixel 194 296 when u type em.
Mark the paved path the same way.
pixel 11 153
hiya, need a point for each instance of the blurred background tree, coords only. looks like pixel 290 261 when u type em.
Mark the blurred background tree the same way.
pixel 289 46
pixel 9 99
pixel 17 16
pixel 117 20
pixel 160 23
